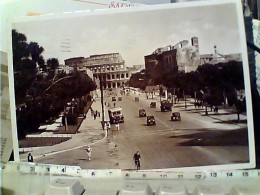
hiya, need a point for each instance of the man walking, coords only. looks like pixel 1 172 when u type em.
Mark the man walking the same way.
pixel 89 151
pixel 117 125
pixel 137 158
pixel 108 126
pixel 30 157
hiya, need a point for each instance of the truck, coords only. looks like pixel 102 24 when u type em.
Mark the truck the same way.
pixel 166 105
pixel 116 115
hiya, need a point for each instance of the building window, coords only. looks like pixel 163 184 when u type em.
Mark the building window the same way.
pixel 108 76
pixel 126 75
pixel 122 75
pixel 113 76
pixel 118 76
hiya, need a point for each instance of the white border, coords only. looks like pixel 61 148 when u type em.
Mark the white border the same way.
pixel 173 6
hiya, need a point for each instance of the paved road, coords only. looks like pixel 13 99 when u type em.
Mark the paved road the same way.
pixel 161 146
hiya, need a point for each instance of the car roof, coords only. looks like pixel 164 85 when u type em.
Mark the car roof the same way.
pixel 115 109
pixel 150 116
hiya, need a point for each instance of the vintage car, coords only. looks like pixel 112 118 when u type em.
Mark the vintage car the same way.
pixel 137 99
pixel 153 105
pixel 116 115
pixel 176 116
pixel 113 99
pixel 142 113
pixel 166 105
pixel 150 120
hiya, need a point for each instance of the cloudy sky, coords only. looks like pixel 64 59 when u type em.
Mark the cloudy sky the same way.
pixel 134 34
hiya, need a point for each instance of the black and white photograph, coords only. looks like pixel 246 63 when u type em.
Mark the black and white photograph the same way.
pixel 153 87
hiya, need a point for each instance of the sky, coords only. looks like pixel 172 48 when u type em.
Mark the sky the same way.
pixel 134 34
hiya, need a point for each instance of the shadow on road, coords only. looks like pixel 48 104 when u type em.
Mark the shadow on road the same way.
pixel 215 138
pixel 232 121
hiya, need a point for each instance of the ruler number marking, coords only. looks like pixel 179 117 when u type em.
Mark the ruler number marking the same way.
pixel 180 176
pixel 229 174
pixel 213 174
pixel 245 174
pixel 198 176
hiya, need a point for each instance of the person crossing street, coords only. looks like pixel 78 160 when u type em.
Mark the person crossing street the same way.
pixel 89 152
pixel 137 158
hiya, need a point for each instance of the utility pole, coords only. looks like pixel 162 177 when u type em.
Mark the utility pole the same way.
pixel 185 101
pixel 102 102
pixel 160 93
pixel 65 119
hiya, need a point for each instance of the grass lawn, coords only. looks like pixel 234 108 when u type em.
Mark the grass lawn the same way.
pixel 41 141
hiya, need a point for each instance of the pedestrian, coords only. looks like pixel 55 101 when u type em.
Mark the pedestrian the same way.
pixel 114 104
pixel 99 114
pixel 96 113
pixel 137 158
pixel 89 151
pixel 117 125
pixel 95 116
pixel 30 157
pixel 108 126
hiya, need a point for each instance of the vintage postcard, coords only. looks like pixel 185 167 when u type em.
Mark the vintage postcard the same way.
pixel 152 87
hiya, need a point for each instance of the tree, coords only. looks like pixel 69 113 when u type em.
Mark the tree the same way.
pixel 24 64
pixel 52 64
pixel 35 52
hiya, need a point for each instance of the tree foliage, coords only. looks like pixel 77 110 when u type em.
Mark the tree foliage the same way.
pixel 42 93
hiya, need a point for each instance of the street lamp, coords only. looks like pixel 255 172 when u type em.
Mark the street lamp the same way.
pixel 102 101
pixel 160 92
pixel 65 119
pixel 185 101
pixel 206 111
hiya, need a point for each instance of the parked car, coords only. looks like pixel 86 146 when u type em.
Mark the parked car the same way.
pixel 153 105
pixel 142 113
pixel 150 120
pixel 137 99
pixel 176 116
pixel 113 99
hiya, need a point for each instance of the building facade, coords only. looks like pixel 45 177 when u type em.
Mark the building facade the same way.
pixel 183 56
pixel 188 56
pixel 109 69
pixel 162 60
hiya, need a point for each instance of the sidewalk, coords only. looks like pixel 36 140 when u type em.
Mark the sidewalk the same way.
pixel 90 132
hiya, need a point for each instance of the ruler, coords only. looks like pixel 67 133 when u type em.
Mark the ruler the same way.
pixel 65 170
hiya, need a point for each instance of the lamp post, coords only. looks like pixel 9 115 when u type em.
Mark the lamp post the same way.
pixel 102 101
pixel 185 101
pixel 65 119
pixel 160 92
pixel 206 111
